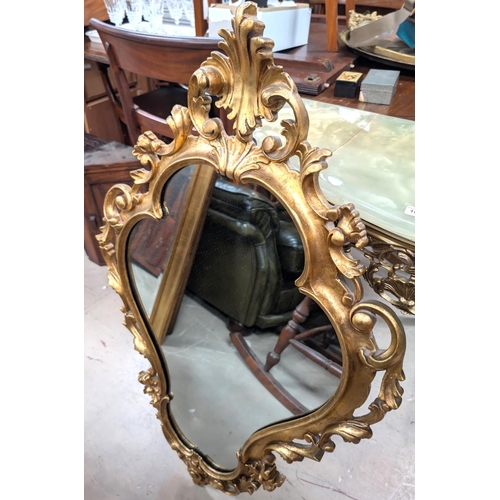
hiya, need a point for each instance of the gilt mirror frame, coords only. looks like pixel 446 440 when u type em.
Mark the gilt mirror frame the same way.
pixel 250 88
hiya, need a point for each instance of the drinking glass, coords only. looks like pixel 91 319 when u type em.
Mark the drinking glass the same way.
pixel 156 10
pixel 134 13
pixel 146 9
pixel 116 11
pixel 188 6
pixel 175 8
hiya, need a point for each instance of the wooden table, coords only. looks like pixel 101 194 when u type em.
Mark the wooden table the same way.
pixel 314 59
pixel 403 102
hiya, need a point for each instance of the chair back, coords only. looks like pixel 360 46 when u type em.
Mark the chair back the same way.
pixel 162 58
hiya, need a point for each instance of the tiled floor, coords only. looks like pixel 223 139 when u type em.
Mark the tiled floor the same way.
pixel 127 456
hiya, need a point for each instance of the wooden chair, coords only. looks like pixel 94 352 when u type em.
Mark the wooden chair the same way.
pixel 94 9
pixel 313 336
pixel 168 62
pixel 332 30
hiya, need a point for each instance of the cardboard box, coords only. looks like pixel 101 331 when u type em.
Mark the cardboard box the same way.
pixel 287 25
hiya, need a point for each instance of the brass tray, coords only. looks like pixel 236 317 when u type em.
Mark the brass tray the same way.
pixel 397 54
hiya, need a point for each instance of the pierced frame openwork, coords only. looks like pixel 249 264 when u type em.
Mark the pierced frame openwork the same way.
pixel 251 88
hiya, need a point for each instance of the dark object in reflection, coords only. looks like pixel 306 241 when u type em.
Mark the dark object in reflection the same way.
pixel 248 258
pixel 315 338
pixel 151 240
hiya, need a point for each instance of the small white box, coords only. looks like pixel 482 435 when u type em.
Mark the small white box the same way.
pixel 287 25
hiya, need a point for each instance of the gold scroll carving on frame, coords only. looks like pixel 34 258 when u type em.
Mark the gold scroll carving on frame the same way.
pixel 251 88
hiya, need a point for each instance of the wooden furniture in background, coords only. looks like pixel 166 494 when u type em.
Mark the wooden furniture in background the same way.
pixel 94 9
pixel 331 13
pixel 200 23
pixel 299 335
pixel 165 59
pixel 150 242
pixel 381 6
pixel 100 116
pixel 325 354
pixel 106 163
pixel 303 62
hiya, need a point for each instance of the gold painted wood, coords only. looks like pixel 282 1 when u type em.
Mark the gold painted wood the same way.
pixel 174 279
pixel 251 88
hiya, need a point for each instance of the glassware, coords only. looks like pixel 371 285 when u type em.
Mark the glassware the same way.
pixel 116 11
pixel 176 9
pixel 188 6
pixel 146 9
pixel 156 10
pixel 134 13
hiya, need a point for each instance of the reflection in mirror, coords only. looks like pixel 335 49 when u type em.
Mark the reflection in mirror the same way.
pixel 150 243
pixel 240 305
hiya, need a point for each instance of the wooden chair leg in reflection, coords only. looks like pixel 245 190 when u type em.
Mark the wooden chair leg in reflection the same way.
pixel 292 328
pixel 236 326
pixel 295 334
pixel 329 365
pixel 266 379
pixel 292 334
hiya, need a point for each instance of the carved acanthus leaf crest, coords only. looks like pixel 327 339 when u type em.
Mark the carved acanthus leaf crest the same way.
pixel 249 86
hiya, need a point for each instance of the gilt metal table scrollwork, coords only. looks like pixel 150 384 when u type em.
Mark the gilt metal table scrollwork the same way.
pixel 248 84
pixel 391 272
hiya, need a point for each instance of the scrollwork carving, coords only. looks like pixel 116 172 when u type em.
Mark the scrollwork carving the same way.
pixel 252 475
pixel 296 452
pixel 351 431
pixel 348 229
pixel 151 382
pixel 252 88
pixel 391 273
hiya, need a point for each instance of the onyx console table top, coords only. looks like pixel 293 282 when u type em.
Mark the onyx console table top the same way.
pixel 372 166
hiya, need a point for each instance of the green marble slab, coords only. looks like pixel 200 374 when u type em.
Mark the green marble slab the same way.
pixel 372 163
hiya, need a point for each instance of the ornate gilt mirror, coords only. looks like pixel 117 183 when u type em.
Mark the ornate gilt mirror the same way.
pixel 157 241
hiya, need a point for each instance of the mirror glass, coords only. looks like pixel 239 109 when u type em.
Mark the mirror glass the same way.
pixel 240 294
